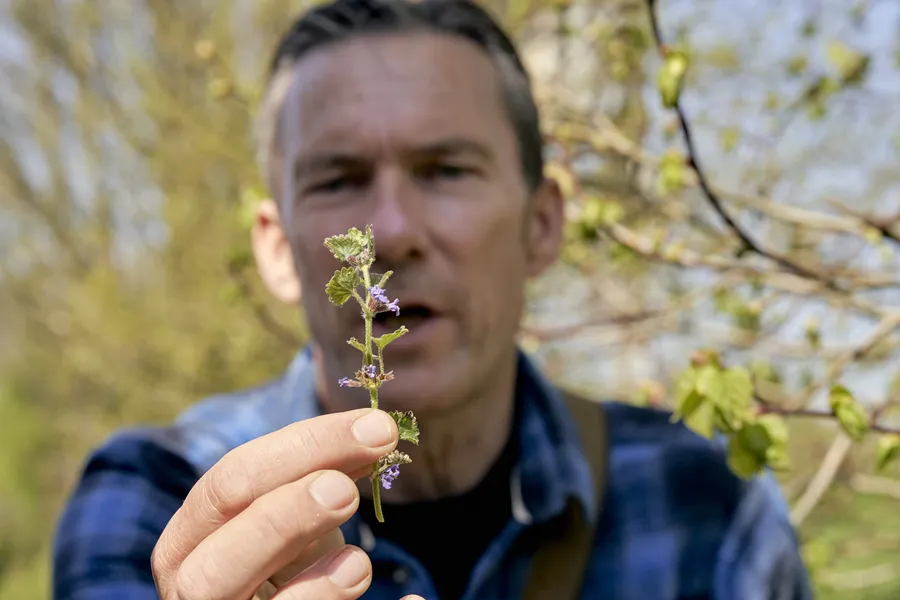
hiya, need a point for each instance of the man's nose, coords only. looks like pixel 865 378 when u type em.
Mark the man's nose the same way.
pixel 398 221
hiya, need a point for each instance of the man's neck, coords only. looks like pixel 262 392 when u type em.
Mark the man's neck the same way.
pixel 461 444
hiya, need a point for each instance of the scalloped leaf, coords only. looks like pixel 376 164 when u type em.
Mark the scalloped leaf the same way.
pixel 340 287
pixel 346 245
pixel 356 344
pixel 407 425
pixel 383 340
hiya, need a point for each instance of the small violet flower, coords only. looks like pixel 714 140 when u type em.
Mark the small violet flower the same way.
pixel 383 304
pixel 393 306
pixel 389 475
pixel 370 371
pixel 378 293
pixel 344 382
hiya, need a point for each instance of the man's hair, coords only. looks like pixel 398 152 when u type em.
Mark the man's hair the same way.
pixel 341 20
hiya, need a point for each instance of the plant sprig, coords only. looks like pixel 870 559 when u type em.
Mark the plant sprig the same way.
pixel 357 250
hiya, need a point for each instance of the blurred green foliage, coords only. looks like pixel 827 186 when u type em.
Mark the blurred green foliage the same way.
pixel 127 289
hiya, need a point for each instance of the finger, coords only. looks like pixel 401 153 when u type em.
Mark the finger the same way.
pixel 332 540
pixel 342 574
pixel 347 442
pixel 239 556
pixel 309 556
pixel 360 473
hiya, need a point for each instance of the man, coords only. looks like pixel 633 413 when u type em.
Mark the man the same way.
pixel 417 119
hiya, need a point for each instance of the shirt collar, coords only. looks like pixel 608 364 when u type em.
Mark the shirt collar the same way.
pixel 552 467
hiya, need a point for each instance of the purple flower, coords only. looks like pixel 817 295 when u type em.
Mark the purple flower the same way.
pixel 378 293
pixel 370 371
pixel 344 382
pixel 382 303
pixel 389 475
pixel 393 306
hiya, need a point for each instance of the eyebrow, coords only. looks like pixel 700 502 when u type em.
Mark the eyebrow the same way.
pixel 304 166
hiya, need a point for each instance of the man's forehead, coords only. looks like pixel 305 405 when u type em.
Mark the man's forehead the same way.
pixel 401 85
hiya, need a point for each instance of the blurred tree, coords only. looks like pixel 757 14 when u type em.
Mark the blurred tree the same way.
pixel 731 237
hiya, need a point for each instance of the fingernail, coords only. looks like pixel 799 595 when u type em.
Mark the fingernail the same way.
pixel 373 430
pixel 332 490
pixel 348 569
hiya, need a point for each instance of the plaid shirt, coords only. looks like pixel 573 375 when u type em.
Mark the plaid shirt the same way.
pixel 676 524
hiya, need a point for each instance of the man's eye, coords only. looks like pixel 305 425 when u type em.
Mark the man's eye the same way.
pixel 444 171
pixel 340 183
pixel 330 186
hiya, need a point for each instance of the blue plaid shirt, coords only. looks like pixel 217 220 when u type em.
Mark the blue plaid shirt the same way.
pixel 676 524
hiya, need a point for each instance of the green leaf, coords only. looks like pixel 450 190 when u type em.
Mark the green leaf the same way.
pixel 755 438
pixel 711 384
pixel 407 425
pixel 692 403
pixel 672 173
pixel 383 340
pixel 356 344
pixel 765 371
pixel 382 278
pixel 797 65
pixel 809 28
pixel 350 244
pixel 702 420
pixel 839 395
pixel 734 403
pixel 775 427
pixel 737 387
pixel 742 459
pixel 687 400
pixel 851 64
pixel 340 287
pixel 729 138
pixel 726 424
pixel 887 451
pixel 850 415
pixel 670 77
pixel 813 334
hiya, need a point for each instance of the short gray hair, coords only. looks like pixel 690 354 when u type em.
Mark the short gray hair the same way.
pixel 345 19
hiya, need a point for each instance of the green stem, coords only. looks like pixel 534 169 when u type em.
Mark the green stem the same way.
pixel 373 392
pixel 376 496
pixel 368 319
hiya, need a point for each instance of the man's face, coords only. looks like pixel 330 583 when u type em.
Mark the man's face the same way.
pixel 409 133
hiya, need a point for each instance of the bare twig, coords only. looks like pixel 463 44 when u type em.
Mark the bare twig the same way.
pixel 821 481
pixel 713 198
pixel 781 280
pixel 820 414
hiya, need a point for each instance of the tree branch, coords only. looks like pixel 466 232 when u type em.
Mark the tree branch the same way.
pixel 748 242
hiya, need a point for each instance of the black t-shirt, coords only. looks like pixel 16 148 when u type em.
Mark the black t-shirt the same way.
pixel 449 535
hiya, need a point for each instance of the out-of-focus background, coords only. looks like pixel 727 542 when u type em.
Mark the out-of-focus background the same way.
pixel 127 290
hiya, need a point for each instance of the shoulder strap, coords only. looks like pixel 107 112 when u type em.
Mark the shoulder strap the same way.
pixel 557 571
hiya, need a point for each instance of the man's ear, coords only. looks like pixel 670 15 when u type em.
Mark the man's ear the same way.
pixel 273 254
pixel 546 218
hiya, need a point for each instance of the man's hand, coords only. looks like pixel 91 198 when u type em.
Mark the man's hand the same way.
pixel 269 513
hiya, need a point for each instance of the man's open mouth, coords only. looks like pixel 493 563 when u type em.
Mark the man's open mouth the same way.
pixel 411 316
